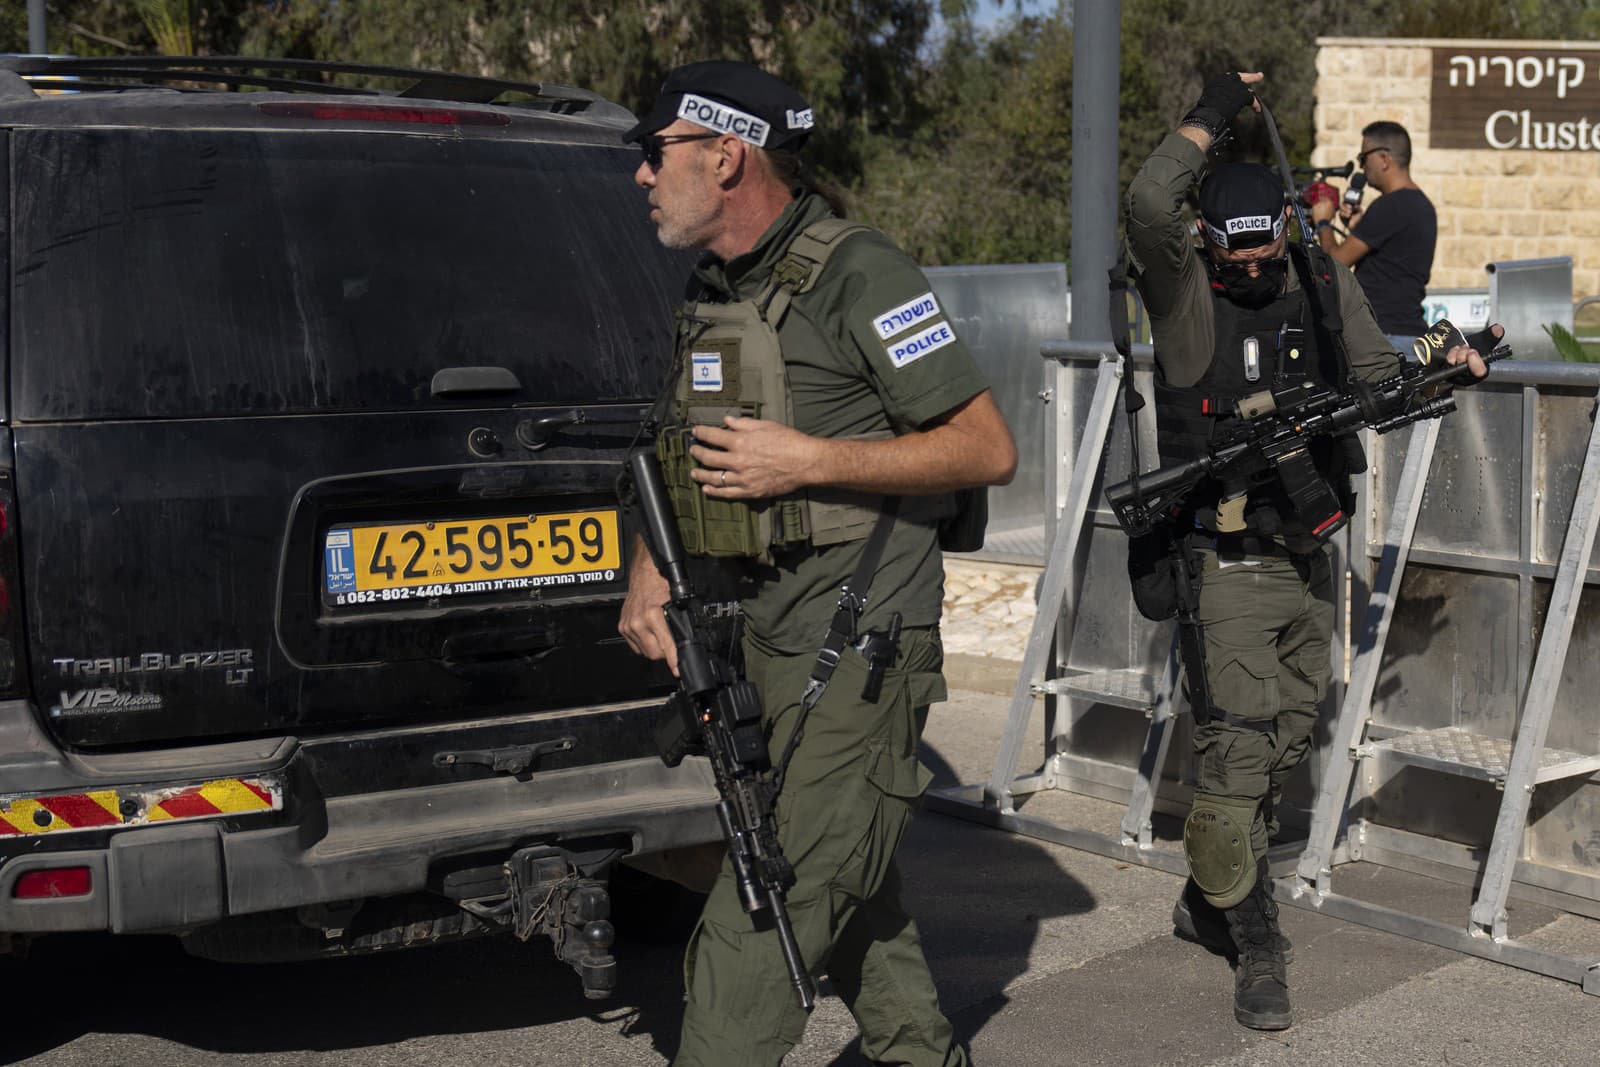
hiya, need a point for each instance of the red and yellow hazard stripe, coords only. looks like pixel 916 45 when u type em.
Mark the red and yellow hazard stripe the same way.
pixel 221 797
pixel 135 806
pixel 70 811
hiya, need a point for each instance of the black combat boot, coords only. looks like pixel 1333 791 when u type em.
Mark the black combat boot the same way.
pixel 1260 981
pixel 1196 919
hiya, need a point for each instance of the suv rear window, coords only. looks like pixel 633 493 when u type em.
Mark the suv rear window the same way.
pixel 163 274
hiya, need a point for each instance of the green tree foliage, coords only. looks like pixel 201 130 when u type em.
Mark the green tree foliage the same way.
pixel 858 61
pixel 171 23
pixel 987 178
pixel 954 138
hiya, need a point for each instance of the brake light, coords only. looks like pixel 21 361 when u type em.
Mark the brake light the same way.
pixel 427 116
pixel 54 882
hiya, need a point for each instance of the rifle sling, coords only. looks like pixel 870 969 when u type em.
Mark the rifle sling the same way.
pixel 852 601
pixel 841 631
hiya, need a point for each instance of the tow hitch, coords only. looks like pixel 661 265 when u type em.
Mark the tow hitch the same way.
pixel 548 893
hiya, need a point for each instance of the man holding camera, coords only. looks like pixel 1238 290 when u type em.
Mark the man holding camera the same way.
pixel 1230 317
pixel 1390 245
pixel 871 411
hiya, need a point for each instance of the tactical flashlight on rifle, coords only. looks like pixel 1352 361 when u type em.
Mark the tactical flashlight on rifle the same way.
pixel 717 714
pixel 1273 439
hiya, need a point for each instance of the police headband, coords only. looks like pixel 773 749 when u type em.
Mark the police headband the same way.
pixel 729 97
pixel 1246 231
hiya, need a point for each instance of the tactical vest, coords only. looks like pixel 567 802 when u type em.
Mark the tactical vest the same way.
pixel 730 362
pixel 1253 349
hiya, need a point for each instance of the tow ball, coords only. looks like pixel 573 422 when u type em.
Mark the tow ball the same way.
pixel 549 895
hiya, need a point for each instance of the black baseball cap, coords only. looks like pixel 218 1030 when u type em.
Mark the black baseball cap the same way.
pixel 730 97
pixel 1242 205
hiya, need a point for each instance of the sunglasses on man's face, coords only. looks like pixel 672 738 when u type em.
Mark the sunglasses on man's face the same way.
pixel 651 145
pixel 1361 157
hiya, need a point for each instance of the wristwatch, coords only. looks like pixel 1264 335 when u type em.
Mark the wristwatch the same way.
pixel 1323 224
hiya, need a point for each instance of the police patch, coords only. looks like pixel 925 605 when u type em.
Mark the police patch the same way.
pixel 1244 224
pixel 706 371
pixel 1248 223
pixel 724 119
pixel 911 313
pixel 910 349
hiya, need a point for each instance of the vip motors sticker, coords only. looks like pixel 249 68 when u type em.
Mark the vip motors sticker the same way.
pixel 84 701
pixel 705 370
pixel 913 348
pixel 911 313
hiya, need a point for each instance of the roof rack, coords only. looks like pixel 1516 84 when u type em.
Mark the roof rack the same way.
pixel 234 72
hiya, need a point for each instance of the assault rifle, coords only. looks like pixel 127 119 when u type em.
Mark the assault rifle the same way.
pixel 717 714
pixel 1274 439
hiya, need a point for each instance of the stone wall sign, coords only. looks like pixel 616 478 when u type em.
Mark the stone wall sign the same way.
pixel 1538 99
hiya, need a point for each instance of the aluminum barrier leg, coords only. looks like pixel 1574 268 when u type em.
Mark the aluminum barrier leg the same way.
pixel 1058 592
pixel 1529 765
pixel 1136 825
pixel 1333 796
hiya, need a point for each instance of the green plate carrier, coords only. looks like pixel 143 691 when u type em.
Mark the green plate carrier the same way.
pixel 731 363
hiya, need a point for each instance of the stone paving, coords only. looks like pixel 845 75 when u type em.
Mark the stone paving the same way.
pixel 988 607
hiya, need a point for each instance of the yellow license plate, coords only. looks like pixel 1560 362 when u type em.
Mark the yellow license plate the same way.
pixel 505 554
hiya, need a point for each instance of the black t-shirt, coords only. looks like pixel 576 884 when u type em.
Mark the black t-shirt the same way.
pixel 1400 229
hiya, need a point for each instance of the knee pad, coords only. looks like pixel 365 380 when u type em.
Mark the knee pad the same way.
pixel 1216 841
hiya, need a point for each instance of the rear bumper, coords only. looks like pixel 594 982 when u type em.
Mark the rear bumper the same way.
pixel 169 877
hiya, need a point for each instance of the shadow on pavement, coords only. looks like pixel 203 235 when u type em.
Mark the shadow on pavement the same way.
pixel 979 898
pixel 100 984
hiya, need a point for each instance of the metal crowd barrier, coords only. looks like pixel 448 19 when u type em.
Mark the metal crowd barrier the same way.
pixel 1464 745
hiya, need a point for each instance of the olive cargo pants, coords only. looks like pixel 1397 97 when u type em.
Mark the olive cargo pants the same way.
pixel 848 798
pixel 1269 629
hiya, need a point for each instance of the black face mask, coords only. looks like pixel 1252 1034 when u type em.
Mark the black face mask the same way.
pixel 1238 285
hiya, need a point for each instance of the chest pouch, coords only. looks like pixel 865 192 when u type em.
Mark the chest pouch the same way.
pixel 729 364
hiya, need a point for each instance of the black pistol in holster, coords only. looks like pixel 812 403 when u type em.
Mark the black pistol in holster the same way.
pixel 716 713
pixel 880 651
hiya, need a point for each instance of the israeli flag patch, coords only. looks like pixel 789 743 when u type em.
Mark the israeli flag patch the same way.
pixel 913 312
pixel 910 349
pixel 705 370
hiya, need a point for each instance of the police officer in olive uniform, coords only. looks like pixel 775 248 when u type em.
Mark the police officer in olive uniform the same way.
pixel 1231 317
pixel 820 386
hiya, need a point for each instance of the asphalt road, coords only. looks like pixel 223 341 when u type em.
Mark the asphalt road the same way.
pixel 1044 955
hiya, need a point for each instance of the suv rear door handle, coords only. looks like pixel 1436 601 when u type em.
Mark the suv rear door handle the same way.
pixel 474 381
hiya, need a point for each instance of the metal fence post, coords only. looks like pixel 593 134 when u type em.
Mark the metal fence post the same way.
pixel 1057 594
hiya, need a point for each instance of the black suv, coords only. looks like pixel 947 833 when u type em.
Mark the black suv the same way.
pixel 311 557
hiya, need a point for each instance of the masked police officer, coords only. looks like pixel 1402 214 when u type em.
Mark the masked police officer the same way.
pixel 1231 317
pixel 823 394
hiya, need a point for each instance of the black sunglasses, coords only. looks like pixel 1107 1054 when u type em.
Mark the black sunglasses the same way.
pixel 651 145
pixel 1361 157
